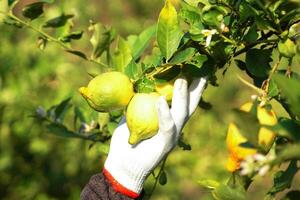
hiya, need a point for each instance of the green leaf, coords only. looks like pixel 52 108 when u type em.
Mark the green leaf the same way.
pixel 122 56
pixel 163 178
pixel 204 104
pixel 58 21
pixel 183 56
pixel 287 48
pixel 133 70
pixel 168 31
pixel 283 179
pixel 77 53
pixel 246 11
pixel 240 64
pixel 78 114
pixel 71 36
pixel 289 152
pixel 61 130
pixel 258 62
pixel 238 181
pixel 111 126
pixel 198 60
pixel 190 14
pixel 248 125
pixel 153 60
pixel 142 41
pixel 33 11
pixel 195 2
pixel 183 145
pixel 101 39
pixel 61 107
pixel 290 89
pixel 251 35
pixel 145 85
pixel 224 192
pixel 212 17
pixel 273 89
pixel 210 184
pixel 287 128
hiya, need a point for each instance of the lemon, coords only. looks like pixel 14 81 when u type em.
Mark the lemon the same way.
pixel 165 89
pixel 234 138
pixel 108 91
pixel 142 117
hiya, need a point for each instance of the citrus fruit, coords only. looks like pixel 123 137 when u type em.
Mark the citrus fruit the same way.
pixel 108 91
pixel 165 89
pixel 142 117
pixel 234 138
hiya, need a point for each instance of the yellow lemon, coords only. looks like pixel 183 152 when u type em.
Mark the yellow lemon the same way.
pixel 108 91
pixel 165 89
pixel 142 117
pixel 234 138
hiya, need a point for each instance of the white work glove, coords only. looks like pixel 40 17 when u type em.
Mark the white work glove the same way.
pixel 127 166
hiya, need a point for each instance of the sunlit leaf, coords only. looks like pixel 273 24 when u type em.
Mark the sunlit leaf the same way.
pixel 133 70
pixel 122 56
pixel 287 48
pixel 183 55
pixel 210 184
pixel 168 31
pixel 145 85
pixel 224 192
pixel 142 41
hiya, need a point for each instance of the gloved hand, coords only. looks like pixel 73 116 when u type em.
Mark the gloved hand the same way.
pixel 127 166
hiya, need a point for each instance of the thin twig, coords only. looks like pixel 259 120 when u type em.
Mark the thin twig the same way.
pixel 50 38
pixel 157 177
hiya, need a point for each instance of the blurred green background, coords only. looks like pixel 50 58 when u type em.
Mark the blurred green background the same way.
pixel 37 165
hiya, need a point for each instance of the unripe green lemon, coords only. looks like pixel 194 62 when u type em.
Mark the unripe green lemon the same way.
pixel 108 91
pixel 142 117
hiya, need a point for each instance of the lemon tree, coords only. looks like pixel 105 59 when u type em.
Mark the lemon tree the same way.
pixel 192 38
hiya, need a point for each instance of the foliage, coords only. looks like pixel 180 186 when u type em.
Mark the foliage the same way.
pixel 203 38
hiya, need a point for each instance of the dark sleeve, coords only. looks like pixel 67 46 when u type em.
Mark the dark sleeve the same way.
pixel 98 188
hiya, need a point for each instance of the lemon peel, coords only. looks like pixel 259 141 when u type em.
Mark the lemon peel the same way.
pixel 142 117
pixel 108 91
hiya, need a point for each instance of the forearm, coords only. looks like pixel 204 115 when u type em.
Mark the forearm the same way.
pixel 100 188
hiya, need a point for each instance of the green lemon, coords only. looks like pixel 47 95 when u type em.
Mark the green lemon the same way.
pixel 141 117
pixel 108 91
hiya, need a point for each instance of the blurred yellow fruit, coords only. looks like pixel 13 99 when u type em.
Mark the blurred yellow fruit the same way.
pixel 165 90
pixel 234 139
pixel 141 116
pixel 108 91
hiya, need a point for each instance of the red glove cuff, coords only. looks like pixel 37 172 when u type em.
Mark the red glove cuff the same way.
pixel 118 187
